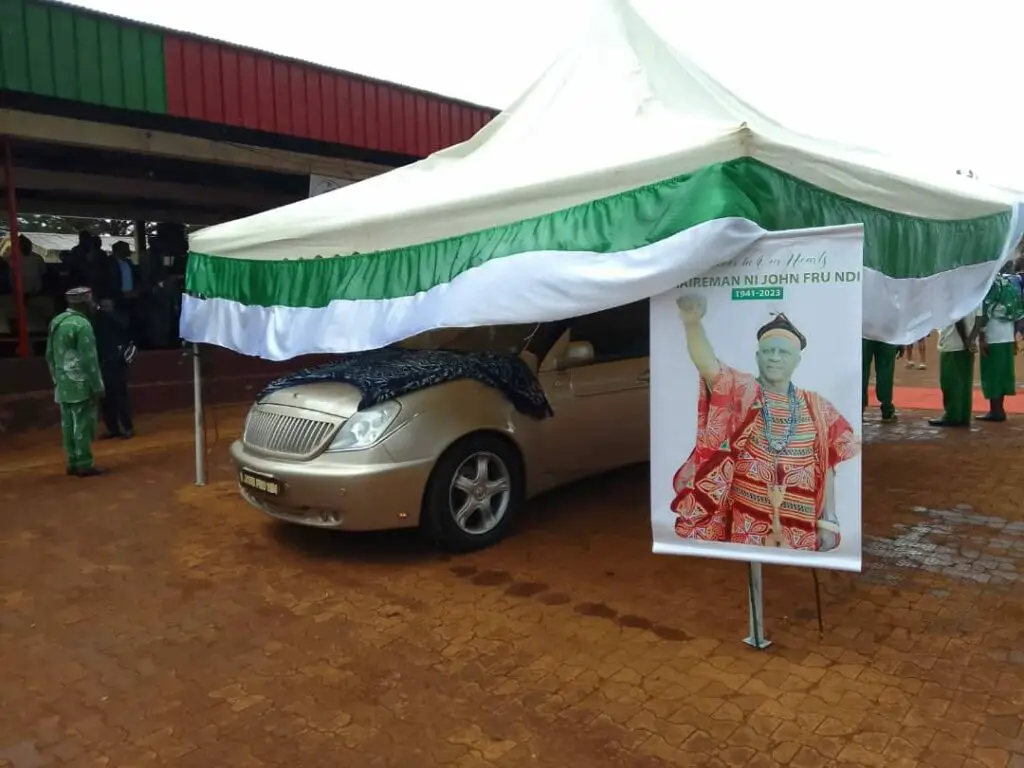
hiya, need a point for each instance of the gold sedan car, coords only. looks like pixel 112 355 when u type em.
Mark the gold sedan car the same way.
pixel 456 459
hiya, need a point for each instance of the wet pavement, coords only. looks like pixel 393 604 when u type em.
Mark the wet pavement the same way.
pixel 145 621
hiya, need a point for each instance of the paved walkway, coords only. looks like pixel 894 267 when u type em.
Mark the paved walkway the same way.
pixel 144 621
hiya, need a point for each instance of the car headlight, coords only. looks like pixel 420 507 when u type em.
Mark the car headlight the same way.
pixel 365 427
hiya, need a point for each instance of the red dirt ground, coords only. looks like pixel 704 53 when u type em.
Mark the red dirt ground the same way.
pixel 145 621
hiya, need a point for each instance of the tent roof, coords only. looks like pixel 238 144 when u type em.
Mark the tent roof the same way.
pixel 619 110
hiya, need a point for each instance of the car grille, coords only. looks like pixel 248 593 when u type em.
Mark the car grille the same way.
pixel 273 430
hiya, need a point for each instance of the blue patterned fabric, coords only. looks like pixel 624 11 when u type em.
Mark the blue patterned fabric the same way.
pixel 385 374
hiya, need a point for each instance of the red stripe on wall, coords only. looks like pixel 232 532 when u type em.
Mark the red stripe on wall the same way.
pixel 248 92
pixel 393 113
pixel 212 84
pixel 343 92
pixel 314 107
pixel 265 94
pixel 282 97
pixel 408 120
pixel 356 108
pixel 422 134
pixel 447 135
pixel 373 123
pixel 329 104
pixel 174 76
pixel 192 65
pixel 229 79
pixel 297 95
pixel 434 124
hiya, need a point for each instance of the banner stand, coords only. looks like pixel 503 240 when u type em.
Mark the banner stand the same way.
pixel 755 602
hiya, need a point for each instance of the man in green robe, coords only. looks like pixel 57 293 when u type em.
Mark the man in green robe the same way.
pixel 957 346
pixel 78 386
pixel 1002 308
pixel 884 358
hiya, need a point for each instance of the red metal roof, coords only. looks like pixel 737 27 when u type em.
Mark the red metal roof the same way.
pixel 214 82
pixel 224 84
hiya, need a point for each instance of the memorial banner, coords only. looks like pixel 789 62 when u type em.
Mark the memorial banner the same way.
pixel 756 405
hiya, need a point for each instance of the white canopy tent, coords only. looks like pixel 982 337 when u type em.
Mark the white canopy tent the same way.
pixel 624 170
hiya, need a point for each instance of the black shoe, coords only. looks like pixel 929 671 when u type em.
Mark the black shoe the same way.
pixel 943 423
pixel 128 434
pixel 91 472
pixel 992 417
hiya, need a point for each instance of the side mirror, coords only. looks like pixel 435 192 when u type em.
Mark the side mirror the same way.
pixel 577 354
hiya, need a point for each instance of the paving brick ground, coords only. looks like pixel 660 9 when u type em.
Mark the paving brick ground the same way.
pixel 144 621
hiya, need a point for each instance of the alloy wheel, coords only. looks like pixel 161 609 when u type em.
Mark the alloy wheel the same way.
pixel 479 493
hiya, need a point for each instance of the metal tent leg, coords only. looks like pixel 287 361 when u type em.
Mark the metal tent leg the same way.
pixel 755 599
pixel 197 394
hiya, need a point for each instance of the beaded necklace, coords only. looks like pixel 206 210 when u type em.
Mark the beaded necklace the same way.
pixel 778 445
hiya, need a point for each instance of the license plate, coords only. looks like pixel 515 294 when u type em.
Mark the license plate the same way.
pixel 262 483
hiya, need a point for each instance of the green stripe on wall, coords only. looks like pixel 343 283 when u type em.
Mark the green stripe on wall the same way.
pixel 52 50
pixel 13 52
pixel 897 245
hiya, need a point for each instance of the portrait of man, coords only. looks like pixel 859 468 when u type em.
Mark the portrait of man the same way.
pixel 762 471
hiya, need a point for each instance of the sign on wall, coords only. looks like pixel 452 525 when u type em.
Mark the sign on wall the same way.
pixel 320 184
pixel 756 406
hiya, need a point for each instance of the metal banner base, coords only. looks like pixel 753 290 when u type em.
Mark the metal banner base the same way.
pixel 755 602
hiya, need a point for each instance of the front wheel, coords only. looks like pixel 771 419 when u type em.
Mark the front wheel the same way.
pixel 474 494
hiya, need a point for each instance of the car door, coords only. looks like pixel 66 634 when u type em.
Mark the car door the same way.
pixel 601 410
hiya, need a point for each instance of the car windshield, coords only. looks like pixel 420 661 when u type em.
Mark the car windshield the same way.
pixel 507 339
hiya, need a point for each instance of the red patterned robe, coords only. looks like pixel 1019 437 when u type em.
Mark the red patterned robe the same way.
pixel 722 488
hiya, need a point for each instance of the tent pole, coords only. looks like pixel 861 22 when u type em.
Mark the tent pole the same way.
pixel 197 395
pixel 755 601
pixel 24 350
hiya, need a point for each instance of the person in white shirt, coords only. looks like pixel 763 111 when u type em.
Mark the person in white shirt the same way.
pixel 1002 308
pixel 32 268
pixel 32 264
pixel 957 345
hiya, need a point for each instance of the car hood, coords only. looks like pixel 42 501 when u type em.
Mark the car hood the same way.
pixel 390 373
pixel 328 397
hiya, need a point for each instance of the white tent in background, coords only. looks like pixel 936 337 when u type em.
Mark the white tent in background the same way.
pixel 624 170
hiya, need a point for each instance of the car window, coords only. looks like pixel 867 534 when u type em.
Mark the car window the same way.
pixel 622 333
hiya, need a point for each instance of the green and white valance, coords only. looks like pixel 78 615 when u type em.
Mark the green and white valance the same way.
pixel 588 257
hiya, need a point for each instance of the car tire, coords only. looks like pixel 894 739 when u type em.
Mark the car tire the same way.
pixel 482 474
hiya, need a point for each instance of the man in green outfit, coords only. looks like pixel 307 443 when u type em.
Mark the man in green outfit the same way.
pixel 75 370
pixel 1002 308
pixel 957 345
pixel 884 358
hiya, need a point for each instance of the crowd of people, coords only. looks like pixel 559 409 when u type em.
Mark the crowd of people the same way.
pixel 109 306
pixel 146 297
pixel 991 332
pixel 99 306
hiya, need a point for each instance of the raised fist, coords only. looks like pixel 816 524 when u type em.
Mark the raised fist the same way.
pixel 691 308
